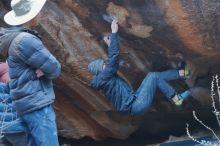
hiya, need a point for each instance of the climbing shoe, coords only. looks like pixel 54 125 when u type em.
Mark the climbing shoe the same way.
pixel 186 70
pixel 177 100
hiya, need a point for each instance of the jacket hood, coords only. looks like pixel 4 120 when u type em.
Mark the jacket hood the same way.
pixel 8 34
pixel 6 37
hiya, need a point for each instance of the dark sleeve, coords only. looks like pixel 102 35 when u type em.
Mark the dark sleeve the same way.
pixel 4 88
pixel 111 65
pixel 34 53
pixel 5 98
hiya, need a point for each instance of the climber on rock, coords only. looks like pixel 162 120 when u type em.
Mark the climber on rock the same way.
pixel 117 90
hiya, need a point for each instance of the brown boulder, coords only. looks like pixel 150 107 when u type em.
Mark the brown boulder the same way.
pixel 154 35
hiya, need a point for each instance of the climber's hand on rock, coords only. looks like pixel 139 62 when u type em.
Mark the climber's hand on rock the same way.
pixel 107 39
pixel 114 26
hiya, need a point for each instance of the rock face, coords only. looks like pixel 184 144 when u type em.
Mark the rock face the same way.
pixel 154 35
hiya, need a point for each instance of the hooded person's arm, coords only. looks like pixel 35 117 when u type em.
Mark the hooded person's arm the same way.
pixel 34 53
pixel 4 88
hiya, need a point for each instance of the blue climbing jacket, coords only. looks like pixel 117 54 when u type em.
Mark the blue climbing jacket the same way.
pixel 26 54
pixel 115 88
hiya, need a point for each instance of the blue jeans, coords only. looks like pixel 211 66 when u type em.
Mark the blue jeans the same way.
pixel 42 127
pixel 17 139
pixel 146 91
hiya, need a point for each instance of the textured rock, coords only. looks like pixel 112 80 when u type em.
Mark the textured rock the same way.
pixel 154 35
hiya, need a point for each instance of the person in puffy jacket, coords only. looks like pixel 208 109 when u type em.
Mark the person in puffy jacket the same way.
pixel 31 69
pixel 118 91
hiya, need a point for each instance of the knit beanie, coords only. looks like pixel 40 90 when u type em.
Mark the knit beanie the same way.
pixel 96 66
